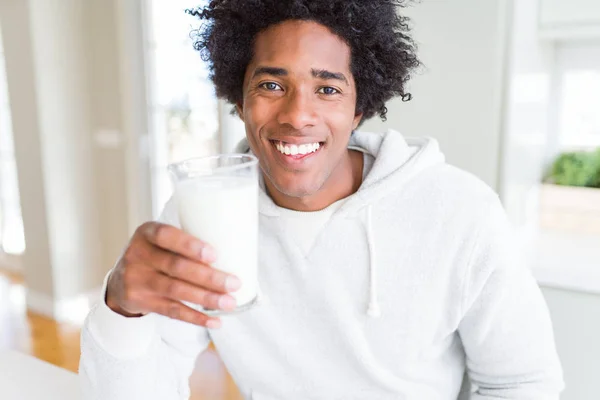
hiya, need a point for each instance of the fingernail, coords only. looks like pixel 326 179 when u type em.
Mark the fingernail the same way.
pixel 208 254
pixel 232 283
pixel 227 303
pixel 213 324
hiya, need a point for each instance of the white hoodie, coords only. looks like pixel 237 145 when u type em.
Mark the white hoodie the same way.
pixel 411 280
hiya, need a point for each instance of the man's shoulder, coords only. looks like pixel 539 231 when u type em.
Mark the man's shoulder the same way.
pixel 452 182
pixel 449 189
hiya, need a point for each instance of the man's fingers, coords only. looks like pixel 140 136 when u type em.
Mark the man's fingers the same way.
pixel 177 241
pixel 198 274
pixel 175 289
pixel 177 310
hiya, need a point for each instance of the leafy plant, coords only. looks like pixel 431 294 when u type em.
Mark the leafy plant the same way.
pixel 581 168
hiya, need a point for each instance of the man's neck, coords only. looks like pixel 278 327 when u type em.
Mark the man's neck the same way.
pixel 346 181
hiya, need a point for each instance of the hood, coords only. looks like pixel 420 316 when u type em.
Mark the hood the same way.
pixel 397 161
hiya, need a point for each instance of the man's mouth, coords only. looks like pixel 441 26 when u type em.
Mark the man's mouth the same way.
pixel 297 151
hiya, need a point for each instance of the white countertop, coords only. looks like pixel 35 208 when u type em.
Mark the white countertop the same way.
pixel 23 377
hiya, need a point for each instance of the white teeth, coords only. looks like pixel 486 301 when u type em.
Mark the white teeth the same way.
pixel 293 149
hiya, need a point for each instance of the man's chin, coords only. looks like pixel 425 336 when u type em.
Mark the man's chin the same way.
pixel 296 189
pixel 295 192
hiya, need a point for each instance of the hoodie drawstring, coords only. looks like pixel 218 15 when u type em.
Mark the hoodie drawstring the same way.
pixel 373 309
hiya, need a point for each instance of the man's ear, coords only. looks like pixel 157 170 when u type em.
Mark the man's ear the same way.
pixel 356 121
pixel 239 107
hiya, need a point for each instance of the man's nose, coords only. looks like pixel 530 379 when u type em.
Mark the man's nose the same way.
pixel 298 110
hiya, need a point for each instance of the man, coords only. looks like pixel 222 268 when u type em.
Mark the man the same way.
pixel 388 272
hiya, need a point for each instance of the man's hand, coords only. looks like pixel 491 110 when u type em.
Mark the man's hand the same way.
pixel 164 266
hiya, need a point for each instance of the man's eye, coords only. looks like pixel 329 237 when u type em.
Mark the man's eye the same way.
pixel 328 90
pixel 271 86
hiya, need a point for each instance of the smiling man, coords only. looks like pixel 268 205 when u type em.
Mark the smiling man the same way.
pixel 387 273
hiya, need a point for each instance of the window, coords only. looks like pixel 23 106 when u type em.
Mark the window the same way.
pixel 12 237
pixel 183 105
pixel 579 96
pixel 566 209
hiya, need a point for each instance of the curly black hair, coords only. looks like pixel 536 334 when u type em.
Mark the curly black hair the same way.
pixel 383 54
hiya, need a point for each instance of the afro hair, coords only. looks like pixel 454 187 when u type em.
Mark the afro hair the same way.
pixel 383 54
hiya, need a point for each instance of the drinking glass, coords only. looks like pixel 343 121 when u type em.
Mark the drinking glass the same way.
pixel 217 202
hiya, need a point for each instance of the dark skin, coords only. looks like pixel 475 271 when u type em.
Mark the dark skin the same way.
pixel 298 89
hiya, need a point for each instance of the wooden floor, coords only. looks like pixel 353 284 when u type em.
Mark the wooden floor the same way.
pixel 58 344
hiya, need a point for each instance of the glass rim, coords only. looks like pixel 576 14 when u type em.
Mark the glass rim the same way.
pixel 251 161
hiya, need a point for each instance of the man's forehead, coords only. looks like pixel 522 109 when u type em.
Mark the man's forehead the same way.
pixel 301 47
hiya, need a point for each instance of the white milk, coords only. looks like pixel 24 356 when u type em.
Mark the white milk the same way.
pixel 223 211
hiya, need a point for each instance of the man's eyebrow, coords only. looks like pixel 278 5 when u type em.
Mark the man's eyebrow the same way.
pixel 269 71
pixel 324 74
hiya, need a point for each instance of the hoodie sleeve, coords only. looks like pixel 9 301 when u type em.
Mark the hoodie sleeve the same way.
pixel 506 329
pixel 149 358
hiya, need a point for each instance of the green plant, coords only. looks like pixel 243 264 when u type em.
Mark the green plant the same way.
pixel 581 168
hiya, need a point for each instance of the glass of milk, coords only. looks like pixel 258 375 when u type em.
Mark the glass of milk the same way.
pixel 217 202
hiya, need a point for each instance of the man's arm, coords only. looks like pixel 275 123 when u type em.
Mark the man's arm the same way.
pixel 124 357
pixel 147 358
pixel 506 329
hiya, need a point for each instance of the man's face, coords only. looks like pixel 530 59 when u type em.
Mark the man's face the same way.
pixel 299 106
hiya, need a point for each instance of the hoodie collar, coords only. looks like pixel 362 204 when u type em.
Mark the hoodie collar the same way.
pixel 397 161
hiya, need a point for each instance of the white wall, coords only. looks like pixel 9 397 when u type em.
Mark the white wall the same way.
pixel 14 20
pixel 573 19
pixel 62 80
pixel 67 87
pixel 576 320
pixel 130 17
pixel 572 12
pixel 458 96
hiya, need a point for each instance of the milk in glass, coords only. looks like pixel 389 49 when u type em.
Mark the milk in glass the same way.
pixel 221 209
